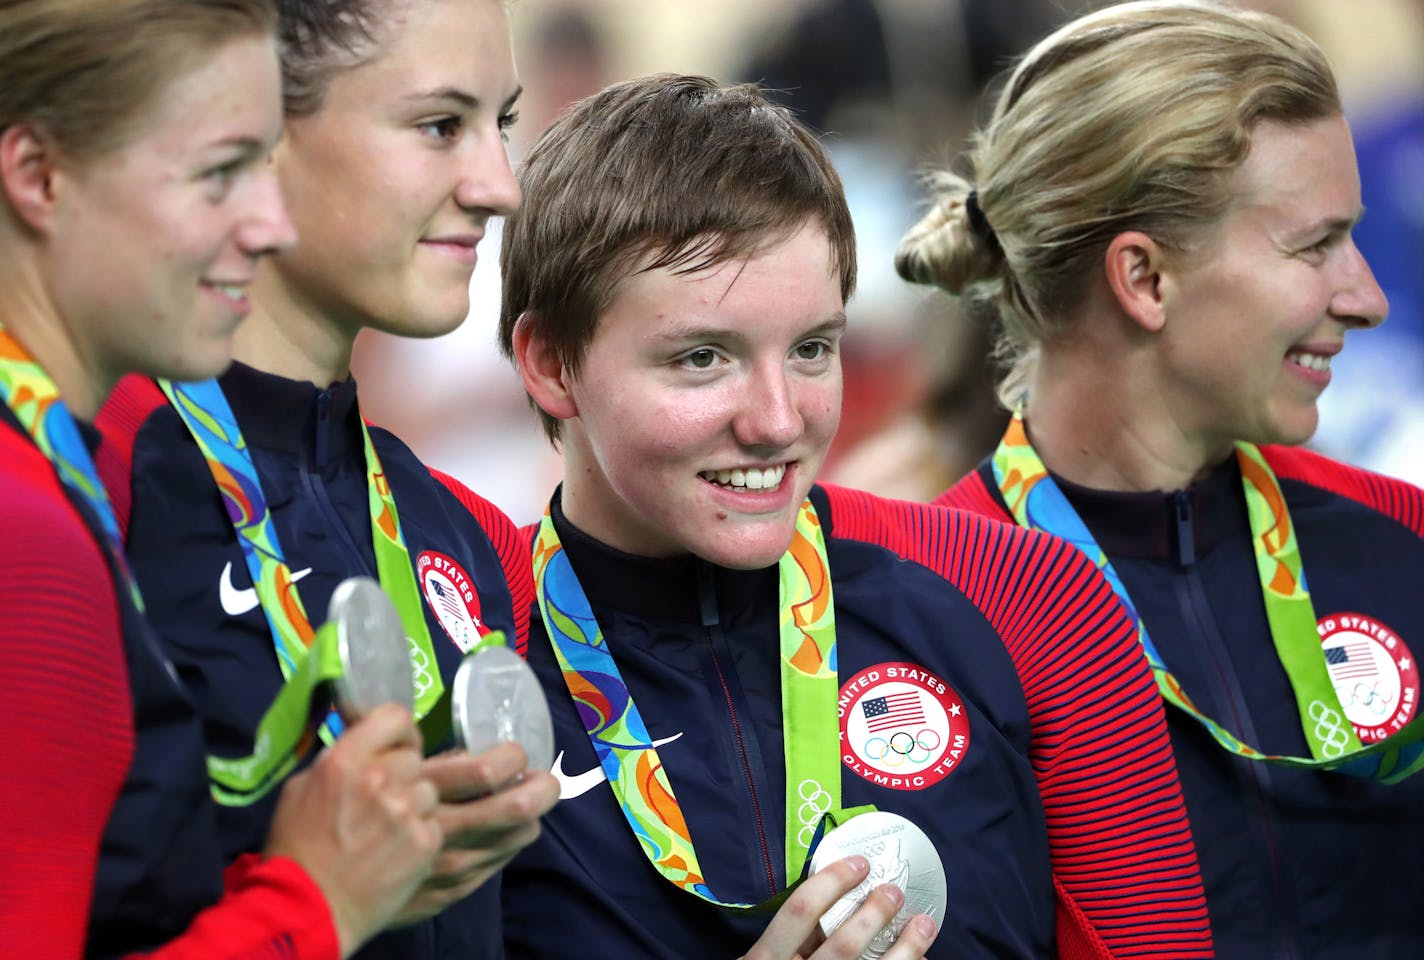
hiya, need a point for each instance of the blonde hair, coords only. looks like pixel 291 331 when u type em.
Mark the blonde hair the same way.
pixel 87 71
pixel 1131 118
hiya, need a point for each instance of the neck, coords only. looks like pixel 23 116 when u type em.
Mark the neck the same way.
pixel 292 337
pixel 1098 419
pixel 31 317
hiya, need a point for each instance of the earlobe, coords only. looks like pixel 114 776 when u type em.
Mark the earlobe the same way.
pixel 1133 265
pixel 27 174
pixel 545 376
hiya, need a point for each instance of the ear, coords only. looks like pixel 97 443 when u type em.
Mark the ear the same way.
pixel 28 170
pixel 1133 265
pixel 545 376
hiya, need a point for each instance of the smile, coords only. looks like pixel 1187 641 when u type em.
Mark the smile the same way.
pixel 748 478
pixel 1311 361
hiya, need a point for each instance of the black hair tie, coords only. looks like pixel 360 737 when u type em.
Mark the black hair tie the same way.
pixel 978 222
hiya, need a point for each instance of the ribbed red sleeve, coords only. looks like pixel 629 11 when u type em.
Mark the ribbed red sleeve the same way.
pixel 513 550
pixel 64 708
pixel 1118 833
pixel 271 909
pixel 1394 498
pixel 971 494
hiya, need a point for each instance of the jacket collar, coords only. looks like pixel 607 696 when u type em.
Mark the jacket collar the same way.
pixel 664 588
pixel 1148 524
pixel 294 416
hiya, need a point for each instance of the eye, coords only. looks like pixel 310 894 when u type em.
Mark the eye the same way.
pixel 218 180
pixel 507 122
pixel 812 350
pixel 703 358
pixel 444 129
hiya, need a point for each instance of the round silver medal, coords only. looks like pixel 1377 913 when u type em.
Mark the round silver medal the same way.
pixel 900 853
pixel 495 699
pixel 375 658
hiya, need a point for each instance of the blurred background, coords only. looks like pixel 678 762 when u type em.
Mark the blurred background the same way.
pixel 894 86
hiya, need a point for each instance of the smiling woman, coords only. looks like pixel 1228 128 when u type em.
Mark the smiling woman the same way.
pixel 392 162
pixel 1168 249
pixel 137 202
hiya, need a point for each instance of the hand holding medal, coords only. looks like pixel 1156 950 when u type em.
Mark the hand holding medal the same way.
pixel 877 890
pixel 900 854
pixel 494 787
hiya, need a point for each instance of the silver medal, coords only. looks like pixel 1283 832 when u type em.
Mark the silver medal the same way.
pixel 496 699
pixel 375 658
pixel 900 853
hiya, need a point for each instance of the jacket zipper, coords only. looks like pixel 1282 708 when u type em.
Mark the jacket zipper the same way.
pixel 711 623
pixel 1196 609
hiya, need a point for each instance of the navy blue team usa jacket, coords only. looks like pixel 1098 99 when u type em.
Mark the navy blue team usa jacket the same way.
pixel 1296 864
pixel 1034 761
pixel 471 568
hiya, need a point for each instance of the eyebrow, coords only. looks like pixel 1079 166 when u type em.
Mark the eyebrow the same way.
pixel 244 146
pixel 692 332
pixel 467 100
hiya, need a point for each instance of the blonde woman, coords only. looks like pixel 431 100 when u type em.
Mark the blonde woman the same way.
pixel 1160 208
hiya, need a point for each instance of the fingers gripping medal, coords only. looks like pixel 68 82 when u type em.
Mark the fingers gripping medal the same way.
pixel 375 658
pixel 900 853
pixel 497 699
pixel 361 653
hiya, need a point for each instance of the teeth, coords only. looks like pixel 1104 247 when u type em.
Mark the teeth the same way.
pixel 232 290
pixel 1312 361
pixel 748 478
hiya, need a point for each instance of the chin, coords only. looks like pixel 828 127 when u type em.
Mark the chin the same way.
pixel 424 324
pixel 748 550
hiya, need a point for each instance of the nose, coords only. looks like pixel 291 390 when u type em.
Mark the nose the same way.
pixel 267 228
pixel 1359 301
pixel 487 182
pixel 767 419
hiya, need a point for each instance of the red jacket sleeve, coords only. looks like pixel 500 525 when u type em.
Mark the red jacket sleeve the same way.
pixel 513 550
pixel 1123 856
pixel 271 910
pixel 64 709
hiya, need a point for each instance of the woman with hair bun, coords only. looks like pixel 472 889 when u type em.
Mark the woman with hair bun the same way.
pixel 1160 211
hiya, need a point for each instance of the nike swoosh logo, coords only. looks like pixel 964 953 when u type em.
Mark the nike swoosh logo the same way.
pixel 236 602
pixel 576 785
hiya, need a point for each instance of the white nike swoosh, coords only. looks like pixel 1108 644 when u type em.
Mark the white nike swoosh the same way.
pixel 575 785
pixel 236 602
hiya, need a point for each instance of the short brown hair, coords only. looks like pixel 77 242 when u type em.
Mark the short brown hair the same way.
pixel 1131 118
pixel 673 168
pixel 86 71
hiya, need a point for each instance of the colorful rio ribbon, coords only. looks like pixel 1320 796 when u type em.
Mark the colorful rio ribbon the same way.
pixel 1036 501
pixel 620 738
pixel 34 399
pixel 209 418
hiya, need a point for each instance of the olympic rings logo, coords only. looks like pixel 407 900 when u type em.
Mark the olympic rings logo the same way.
pixel 1371 698
pixel 815 802
pixel 1329 729
pixel 902 747
pixel 420 668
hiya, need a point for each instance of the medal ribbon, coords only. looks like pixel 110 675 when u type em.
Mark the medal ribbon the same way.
pixel 809 688
pixel 210 420
pixel 34 398
pixel 1036 501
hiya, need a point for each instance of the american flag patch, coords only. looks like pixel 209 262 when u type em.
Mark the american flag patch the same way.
pixel 893 710
pixel 1351 661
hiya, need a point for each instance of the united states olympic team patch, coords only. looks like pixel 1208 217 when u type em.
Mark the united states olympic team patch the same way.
pixel 452 596
pixel 1374 673
pixel 901 726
